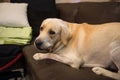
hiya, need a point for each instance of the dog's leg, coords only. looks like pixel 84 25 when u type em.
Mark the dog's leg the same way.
pixel 107 73
pixel 60 58
pixel 115 55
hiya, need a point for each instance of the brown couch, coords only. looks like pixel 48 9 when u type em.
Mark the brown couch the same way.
pixel 90 12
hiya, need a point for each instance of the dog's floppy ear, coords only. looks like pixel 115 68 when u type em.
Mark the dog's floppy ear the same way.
pixel 65 33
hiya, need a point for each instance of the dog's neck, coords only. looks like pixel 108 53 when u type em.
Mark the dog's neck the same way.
pixel 59 45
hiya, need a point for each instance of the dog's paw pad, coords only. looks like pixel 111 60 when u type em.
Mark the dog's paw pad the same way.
pixel 97 70
pixel 36 56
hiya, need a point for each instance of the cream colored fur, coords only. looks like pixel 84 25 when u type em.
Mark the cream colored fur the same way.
pixel 81 45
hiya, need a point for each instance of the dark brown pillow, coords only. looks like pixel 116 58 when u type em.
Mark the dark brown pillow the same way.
pixel 96 13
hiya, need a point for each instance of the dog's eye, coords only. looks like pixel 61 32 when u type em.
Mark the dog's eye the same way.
pixel 41 28
pixel 51 32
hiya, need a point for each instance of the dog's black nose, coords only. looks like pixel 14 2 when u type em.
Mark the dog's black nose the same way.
pixel 38 43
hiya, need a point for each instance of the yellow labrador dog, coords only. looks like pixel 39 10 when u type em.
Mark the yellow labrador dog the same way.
pixel 80 45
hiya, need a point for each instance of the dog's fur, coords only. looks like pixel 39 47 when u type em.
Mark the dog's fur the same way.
pixel 81 45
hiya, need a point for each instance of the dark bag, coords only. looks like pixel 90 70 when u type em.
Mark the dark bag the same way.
pixel 9 54
pixel 38 10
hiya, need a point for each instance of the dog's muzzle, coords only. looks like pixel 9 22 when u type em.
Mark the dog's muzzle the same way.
pixel 43 46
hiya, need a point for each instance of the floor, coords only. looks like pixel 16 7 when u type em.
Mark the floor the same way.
pixel 17 74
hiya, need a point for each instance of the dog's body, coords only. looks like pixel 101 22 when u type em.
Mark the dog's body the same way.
pixel 96 46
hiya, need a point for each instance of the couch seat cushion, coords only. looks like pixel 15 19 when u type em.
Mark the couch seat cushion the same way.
pixel 52 70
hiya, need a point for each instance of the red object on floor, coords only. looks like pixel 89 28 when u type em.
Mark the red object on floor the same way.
pixel 11 62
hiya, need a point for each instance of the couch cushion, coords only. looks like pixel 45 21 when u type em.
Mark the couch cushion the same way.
pixel 13 14
pixel 96 13
pixel 90 12
pixel 52 70
pixel 68 11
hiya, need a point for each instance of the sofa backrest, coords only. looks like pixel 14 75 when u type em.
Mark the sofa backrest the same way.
pixel 90 12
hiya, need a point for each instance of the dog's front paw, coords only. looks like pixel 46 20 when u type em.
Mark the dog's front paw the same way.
pixel 97 70
pixel 36 56
pixel 74 66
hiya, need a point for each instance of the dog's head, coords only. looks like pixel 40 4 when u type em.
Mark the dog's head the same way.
pixel 52 31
